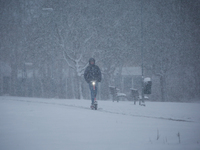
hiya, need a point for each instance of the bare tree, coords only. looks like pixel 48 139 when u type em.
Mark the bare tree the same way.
pixel 74 36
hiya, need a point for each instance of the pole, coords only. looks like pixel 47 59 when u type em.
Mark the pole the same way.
pixel 142 54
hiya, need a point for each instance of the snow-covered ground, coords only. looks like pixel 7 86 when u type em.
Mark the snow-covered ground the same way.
pixel 54 124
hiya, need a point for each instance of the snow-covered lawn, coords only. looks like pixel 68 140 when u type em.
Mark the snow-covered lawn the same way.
pixel 54 124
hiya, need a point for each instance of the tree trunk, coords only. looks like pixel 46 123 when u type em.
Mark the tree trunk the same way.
pixel 105 87
pixel 42 87
pixel 80 88
pixel 163 88
pixel 1 83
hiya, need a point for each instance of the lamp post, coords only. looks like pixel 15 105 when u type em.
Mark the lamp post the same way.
pixel 142 55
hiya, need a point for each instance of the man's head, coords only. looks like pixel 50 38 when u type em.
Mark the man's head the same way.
pixel 91 61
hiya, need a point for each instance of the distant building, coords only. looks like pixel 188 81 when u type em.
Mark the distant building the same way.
pixel 131 71
pixel 26 71
pixel 130 78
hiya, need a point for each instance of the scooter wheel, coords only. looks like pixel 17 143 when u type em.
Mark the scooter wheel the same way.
pixel 95 106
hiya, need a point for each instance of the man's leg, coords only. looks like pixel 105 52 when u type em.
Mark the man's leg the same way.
pixel 92 93
pixel 95 92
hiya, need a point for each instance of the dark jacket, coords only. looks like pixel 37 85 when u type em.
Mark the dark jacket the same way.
pixel 92 72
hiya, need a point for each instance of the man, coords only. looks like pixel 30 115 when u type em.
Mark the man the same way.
pixel 92 73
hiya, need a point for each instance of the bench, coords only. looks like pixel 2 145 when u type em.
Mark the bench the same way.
pixel 116 95
pixel 134 95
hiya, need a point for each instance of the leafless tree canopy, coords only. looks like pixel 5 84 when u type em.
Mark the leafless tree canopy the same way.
pixel 47 44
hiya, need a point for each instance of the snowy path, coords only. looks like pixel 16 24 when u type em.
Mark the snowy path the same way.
pixel 53 124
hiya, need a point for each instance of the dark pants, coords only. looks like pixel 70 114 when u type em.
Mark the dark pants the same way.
pixel 93 91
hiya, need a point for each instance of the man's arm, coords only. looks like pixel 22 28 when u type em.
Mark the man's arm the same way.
pixel 86 75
